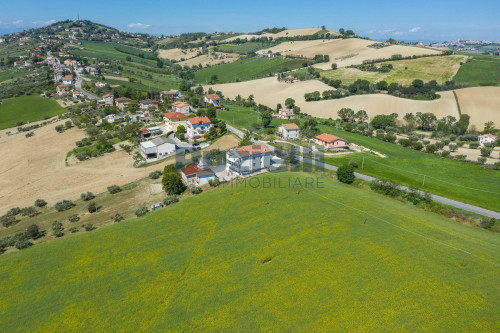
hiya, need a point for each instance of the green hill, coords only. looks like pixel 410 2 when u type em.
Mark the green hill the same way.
pixel 261 258
pixel 27 109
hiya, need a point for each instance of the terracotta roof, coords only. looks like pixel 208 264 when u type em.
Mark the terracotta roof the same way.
pixel 68 77
pixel 175 115
pixel 328 138
pixel 76 92
pixel 213 97
pixel 62 85
pixel 143 131
pixel 149 101
pixel 107 95
pixel 291 126
pixel 193 169
pixel 494 137
pixel 180 104
pixel 252 150
pixel 170 92
pixel 123 99
pixel 197 120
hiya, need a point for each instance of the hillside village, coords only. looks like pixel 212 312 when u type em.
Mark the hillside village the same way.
pixel 115 127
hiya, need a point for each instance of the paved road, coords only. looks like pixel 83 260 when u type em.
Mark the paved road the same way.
pixel 235 131
pixel 78 86
pixel 446 201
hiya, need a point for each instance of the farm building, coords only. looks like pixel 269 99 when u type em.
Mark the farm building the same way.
pixel 286 114
pixel 62 89
pixel 170 94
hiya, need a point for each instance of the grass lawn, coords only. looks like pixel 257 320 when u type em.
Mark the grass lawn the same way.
pixel 246 69
pixel 456 180
pixel 256 258
pixel 441 69
pixel 482 70
pixel 28 109
pixel 238 116
pixel 9 74
pixel 143 85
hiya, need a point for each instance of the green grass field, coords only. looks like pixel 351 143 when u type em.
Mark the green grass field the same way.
pixel 482 70
pixel 246 69
pixel 261 259
pixel 110 51
pixel 453 179
pixel 28 109
pixel 441 69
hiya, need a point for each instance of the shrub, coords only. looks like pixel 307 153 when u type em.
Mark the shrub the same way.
pixel 481 160
pixel 453 147
pixel 117 217
pixel 417 145
pixel 88 226
pixel 170 200
pixel 68 124
pixel 473 145
pixel 74 218
pixel 440 145
pixel 29 211
pixel 40 203
pixel 57 229
pixel 73 230
pixel 426 142
pixel 32 231
pixel 453 137
pixel 59 128
pixel 8 220
pixel 460 157
pixel 114 189
pixel 415 197
pixel 445 153
pixel 22 244
pixel 214 182
pixel 386 187
pixel 155 174
pixel 354 164
pixel 485 151
pixel 141 210
pixel 92 207
pixel 87 196
pixel 345 174
pixel 195 189
pixel 432 148
pixel 64 205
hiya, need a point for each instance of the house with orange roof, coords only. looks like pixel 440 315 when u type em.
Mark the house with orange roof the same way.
pixel 285 113
pixel 100 85
pixel 108 99
pixel 330 141
pixel 77 94
pixel 68 79
pixel 213 99
pixel 289 131
pixel 182 107
pixel 171 94
pixel 486 138
pixel 174 120
pixel 197 174
pixel 62 89
pixel 148 104
pixel 196 127
pixel 122 103
pixel 248 159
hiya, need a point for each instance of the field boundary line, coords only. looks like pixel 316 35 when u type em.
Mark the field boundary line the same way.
pixel 403 228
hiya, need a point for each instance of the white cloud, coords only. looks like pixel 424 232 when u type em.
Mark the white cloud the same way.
pixel 44 22
pixel 138 25
pixel 414 29
pixel 17 22
pixel 397 33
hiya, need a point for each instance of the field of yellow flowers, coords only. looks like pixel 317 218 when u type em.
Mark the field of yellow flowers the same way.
pixel 330 257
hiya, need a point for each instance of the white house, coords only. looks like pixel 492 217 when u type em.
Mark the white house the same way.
pixel 68 79
pixel 173 94
pixel 158 148
pixel 289 131
pixel 182 107
pixel 94 72
pixel 486 138
pixel 286 114
pixel 100 84
pixel 197 126
pixel 248 159
pixel 77 94
pixel 58 75
pixel 213 99
pixel 108 99
pixel 147 104
pixel 197 174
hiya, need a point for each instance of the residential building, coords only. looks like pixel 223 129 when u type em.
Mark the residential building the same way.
pixel 122 103
pixel 147 104
pixel 285 113
pixel 28 63
pixel 182 107
pixel 77 94
pixel 197 174
pixel 17 64
pixel 329 141
pixel 144 133
pixel 213 99
pixel 158 148
pixel 108 99
pixel 174 119
pixel 62 89
pixel 486 138
pixel 248 159
pixel 94 72
pixel 289 131
pixel 68 79
pixel 197 127
pixel 58 75
pixel 170 94
pixel 100 85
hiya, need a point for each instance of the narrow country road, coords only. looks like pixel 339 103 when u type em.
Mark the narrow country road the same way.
pixel 235 131
pixel 78 86
pixel 446 201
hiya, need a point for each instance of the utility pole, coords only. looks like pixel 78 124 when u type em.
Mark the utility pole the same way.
pixel 363 164
pixel 423 182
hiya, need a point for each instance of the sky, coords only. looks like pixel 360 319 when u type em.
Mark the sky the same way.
pixel 436 20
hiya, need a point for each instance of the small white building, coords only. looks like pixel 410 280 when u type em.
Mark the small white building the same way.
pixel 248 159
pixel 182 107
pixel 197 174
pixel 289 131
pixel 68 79
pixel 77 94
pixel 486 138
pixel 158 148
pixel 108 99
pixel 100 85
pixel 196 127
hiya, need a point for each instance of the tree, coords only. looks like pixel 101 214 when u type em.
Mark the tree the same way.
pixel 345 174
pixel 59 128
pixel 382 121
pixel 341 31
pixel 213 79
pixel 266 118
pixel 40 203
pixel 32 231
pixel 411 122
pixel 489 126
pixel 289 103
pixel 92 207
pixel 278 107
pixel 345 114
pixel 172 181
pixel 381 85
pixel 68 124
pixel 334 66
pixel 485 151
pixel 432 148
pixel 361 116
pixel 460 127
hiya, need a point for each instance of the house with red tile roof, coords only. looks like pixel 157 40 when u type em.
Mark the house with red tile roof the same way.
pixel 289 131
pixel 77 94
pixel 197 174
pixel 174 120
pixel 248 159
pixel 122 102
pixel 329 141
pixel 144 133
pixel 196 127
pixel 62 89
pixel 182 107
pixel 213 99
pixel 171 94
pixel 147 104
pixel 108 99
pixel 68 79
pixel 486 138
